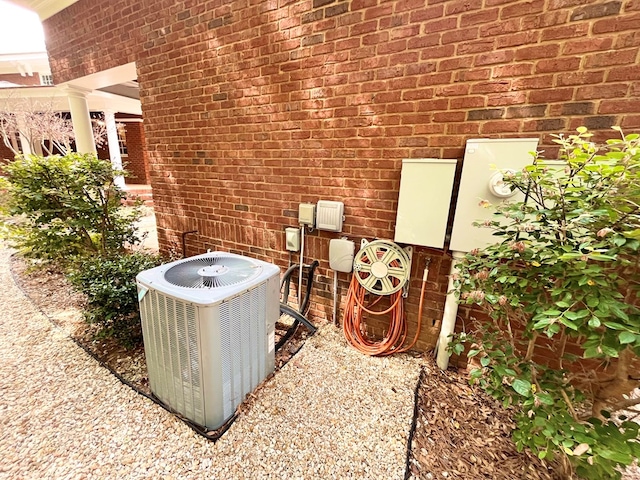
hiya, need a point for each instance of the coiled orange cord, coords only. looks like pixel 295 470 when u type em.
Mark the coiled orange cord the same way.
pixel 353 325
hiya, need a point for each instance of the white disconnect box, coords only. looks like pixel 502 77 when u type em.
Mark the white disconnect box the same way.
pixel 329 215
pixel 426 186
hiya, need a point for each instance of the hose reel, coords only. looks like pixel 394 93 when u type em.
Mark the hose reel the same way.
pixel 382 267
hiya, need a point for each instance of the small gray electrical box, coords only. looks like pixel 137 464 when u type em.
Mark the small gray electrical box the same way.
pixel 292 237
pixel 307 214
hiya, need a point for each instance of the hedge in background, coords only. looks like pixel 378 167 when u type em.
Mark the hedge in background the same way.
pixel 69 206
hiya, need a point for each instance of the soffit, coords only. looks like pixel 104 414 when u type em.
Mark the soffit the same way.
pixel 45 8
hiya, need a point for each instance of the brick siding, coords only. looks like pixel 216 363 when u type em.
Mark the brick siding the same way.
pixel 5 153
pixel 137 158
pixel 16 78
pixel 253 106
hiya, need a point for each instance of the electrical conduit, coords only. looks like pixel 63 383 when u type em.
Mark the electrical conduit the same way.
pixel 301 266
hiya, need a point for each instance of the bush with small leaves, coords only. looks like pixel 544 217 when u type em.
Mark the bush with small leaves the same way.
pixel 564 274
pixel 110 286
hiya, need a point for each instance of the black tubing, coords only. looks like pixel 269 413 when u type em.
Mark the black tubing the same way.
pixel 284 308
pixel 305 302
pixel 286 280
pixel 184 242
pixel 287 273
pixel 414 424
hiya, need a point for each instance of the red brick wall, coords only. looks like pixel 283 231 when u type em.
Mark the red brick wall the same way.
pixel 5 153
pixel 253 106
pixel 18 79
pixel 136 159
pixel 103 151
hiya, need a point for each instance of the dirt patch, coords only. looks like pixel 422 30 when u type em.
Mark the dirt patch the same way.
pixel 463 433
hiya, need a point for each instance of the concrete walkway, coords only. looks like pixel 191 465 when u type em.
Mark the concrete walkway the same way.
pixel 147 226
pixel 329 413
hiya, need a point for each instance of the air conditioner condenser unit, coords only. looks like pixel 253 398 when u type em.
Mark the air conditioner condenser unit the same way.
pixel 208 325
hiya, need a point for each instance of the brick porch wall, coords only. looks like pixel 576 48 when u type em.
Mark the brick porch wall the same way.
pixel 5 153
pixel 253 106
pixel 27 80
pixel 136 159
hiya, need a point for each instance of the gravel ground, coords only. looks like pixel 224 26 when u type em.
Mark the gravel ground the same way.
pixel 329 413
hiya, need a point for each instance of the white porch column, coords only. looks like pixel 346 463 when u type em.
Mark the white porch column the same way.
pixel 114 145
pixel 81 120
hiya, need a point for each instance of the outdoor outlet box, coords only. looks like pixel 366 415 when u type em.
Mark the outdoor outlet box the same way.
pixel 307 214
pixel 292 236
pixel 341 253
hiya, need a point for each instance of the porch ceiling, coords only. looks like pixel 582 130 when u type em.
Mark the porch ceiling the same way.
pixel 98 101
pixel 44 8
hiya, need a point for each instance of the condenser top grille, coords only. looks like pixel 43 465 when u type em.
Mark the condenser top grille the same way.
pixel 212 271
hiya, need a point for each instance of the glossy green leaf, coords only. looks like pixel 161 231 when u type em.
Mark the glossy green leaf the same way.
pixel 626 337
pixel 523 387
pixel 594 322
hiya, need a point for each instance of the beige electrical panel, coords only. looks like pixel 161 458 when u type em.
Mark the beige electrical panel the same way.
pixel 423 203
pixel 482 159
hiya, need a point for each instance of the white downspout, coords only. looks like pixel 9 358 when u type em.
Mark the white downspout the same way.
pixel 449 316
pixel 335 298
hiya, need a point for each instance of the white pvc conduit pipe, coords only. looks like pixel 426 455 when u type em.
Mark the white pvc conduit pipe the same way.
pixel 449 316
pixel 335 297
pixel 301 267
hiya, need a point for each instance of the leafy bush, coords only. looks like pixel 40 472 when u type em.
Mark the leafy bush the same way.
pixel 68 211
pixel 69 207
pixel 566 273
pixel 110 287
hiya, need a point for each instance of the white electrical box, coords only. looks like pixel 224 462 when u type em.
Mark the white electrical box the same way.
pixel 426 186
pixel 292 239
pixel 307 214
pixel 341 253
pixel 329 216
pixel 483 158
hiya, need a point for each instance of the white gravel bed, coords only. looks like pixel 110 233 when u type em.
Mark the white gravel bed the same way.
pixel 329 413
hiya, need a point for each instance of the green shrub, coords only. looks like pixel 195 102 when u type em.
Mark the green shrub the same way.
pixel 66 206
pixel 110 287
pixel 566 272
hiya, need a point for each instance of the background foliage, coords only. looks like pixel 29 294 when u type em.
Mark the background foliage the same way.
pixel 69 207
pixel 110 286
pixel 67 211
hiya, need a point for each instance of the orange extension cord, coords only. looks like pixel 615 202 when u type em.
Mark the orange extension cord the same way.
pixel 353 325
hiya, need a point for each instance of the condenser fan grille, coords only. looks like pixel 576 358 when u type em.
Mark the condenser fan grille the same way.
pixel 212 272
